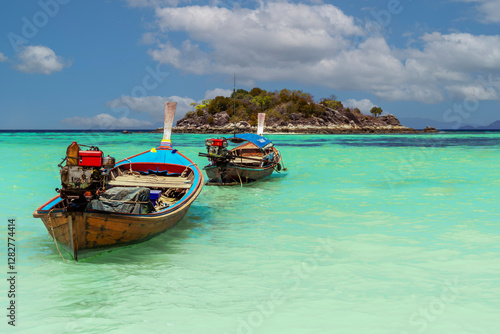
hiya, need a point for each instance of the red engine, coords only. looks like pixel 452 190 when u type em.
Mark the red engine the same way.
pixel 221 142
pixel 216 147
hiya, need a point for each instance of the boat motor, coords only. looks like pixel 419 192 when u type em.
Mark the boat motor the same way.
pixel 85 172
pixel 216 149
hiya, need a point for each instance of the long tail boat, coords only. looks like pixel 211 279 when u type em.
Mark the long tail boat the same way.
pixel 254 158
pixel 103 205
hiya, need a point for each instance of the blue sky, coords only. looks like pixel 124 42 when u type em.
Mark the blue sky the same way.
pixel 67 64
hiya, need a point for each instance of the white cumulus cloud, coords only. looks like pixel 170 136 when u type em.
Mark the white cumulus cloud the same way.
pixel 363 105
pixel 151 3
pixel 152 105
pixel 319 44
pixel 40 59
pixel 451 64
pixel 273 33
pixel 105 122
pixel 489 10
pixel 3 58
pixel 210 94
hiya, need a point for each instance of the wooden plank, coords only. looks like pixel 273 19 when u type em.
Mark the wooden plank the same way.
pixel 149 181
pixel 247 161
pixel 144 184
pixel 153 177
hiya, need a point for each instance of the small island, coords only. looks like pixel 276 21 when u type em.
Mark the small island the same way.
pixel 287 111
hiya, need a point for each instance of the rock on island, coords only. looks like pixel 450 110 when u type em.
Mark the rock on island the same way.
pixel 286 112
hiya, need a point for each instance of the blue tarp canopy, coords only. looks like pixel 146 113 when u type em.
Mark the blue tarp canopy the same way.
pixel 259 141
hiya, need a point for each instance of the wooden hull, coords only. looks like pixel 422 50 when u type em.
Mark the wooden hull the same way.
pixel 86 231
pixel 95 210
pixel 81 233
pixel 237 173
pixel 246 167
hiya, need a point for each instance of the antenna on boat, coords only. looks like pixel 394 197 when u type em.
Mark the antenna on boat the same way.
pixel 169 122
pixel 234 105
pixel 260 123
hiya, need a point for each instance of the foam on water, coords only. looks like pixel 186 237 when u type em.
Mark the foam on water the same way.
pixel 364 234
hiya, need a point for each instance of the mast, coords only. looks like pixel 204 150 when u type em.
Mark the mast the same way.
pixel 234 105
pixel 260 123
pixel 169 122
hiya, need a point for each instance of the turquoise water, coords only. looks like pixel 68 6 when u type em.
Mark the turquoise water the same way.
pixel 384 234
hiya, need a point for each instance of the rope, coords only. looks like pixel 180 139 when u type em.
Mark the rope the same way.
pixel 282 162
pixel 53 236
pixel 187 169
pixel 130 164
pixel 241 183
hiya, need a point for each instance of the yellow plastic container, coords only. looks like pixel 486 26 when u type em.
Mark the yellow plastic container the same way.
pixel 72 154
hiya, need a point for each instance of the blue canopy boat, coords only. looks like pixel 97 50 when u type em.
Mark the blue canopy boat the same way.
pixel 253 159
pixel 102 205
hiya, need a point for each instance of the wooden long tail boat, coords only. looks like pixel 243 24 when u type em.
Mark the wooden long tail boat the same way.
pixel 254 158
pixel 156 187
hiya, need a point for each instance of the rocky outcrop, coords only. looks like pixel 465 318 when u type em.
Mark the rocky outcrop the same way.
pixel 429 129
pixel 331 121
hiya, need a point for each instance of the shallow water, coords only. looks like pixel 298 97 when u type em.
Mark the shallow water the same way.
pixel 363 234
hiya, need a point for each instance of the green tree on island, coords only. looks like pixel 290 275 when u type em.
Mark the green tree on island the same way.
pixel 262 101
pixel 278 105
pixel 376 111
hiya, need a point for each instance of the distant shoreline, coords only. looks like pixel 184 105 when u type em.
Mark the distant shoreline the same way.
pixel 277 133
pixel 304 131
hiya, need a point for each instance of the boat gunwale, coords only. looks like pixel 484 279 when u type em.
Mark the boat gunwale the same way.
pixel 178 205
pixel 191 192
pixel 241 167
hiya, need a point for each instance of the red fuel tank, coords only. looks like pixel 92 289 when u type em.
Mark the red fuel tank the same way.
pixel 90 158
pixel 222 142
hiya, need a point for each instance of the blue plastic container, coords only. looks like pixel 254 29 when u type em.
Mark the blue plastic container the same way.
pixel 154 195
